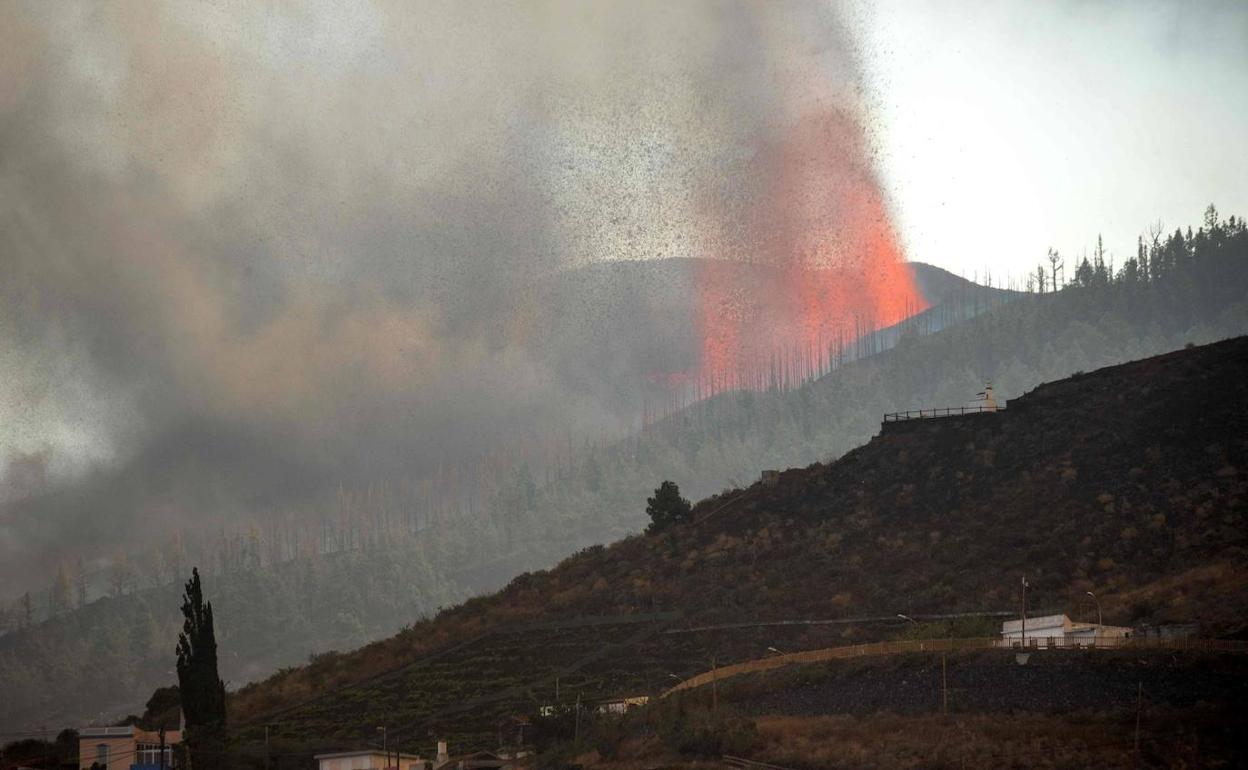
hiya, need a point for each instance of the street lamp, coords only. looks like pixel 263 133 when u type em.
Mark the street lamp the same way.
pixel 778 652
pixel 1098 614
pixel 1023 627
pixel 907 617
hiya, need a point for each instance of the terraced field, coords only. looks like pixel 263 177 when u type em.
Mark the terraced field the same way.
pixel 462 692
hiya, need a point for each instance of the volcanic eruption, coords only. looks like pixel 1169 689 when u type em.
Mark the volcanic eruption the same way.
pixel 819 230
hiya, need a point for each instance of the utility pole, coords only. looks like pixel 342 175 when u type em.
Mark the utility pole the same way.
pixel 576 735
pixel 162 745
pixel 1139 706
pixel 944 687
pixel 266 748
pixel 1098 616
pixel 1023 633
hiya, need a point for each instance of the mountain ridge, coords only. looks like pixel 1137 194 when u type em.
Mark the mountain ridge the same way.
pixel 342 600
pixel 1112 480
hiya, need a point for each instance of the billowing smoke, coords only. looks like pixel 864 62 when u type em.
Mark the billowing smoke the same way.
pixel 252 251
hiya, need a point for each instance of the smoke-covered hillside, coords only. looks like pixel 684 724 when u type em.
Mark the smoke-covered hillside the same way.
pixel 413 555
pixel 1114 481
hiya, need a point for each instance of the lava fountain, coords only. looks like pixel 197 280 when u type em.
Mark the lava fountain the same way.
pixel 818 266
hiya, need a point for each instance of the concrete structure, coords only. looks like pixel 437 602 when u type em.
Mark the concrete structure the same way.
pixel 369 759
pixel 125 748
pixel 1061 631
pixel 622 705
pixel 986 400
pixel 477 760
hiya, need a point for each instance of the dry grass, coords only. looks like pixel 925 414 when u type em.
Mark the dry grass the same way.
pixel 1189 739
pixel 889 742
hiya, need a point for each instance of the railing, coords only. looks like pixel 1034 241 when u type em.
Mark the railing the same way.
pixel 952 411
pixel 950 645
pixel 106 732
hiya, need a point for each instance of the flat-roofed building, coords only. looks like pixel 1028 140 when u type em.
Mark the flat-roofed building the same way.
pixel 125 748
pixel 1060 631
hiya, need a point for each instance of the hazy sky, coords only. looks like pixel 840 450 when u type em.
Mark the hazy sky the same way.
pixel 1005 128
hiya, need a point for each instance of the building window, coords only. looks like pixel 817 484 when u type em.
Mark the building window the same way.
pixel 149 754
pixel 101 755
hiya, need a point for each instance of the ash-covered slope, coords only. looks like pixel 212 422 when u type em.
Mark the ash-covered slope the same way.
pixel 1129 481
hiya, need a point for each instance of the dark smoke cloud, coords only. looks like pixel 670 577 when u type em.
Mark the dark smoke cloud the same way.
pixel 249 252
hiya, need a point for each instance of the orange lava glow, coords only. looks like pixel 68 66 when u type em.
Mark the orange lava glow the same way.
pixel 820 266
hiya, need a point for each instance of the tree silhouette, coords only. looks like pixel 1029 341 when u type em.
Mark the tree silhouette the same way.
pixel 202 691
pixel 667 507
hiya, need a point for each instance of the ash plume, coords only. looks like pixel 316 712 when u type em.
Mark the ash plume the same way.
pixel 251 252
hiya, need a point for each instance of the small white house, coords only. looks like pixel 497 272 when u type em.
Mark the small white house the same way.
pixel 622 705
pixel 986 399
pixel 369 759
pixel 1060 631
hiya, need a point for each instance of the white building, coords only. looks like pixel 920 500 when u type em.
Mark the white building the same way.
pixel 369 759
pixel 1061 631
pixel 622 705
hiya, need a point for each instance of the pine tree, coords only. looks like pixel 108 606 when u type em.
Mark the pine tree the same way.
pixel 667 507
pixel 203 692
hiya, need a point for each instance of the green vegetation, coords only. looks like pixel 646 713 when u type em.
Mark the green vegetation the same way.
pixel 667 508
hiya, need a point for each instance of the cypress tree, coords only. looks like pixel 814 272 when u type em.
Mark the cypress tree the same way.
pixel 201 688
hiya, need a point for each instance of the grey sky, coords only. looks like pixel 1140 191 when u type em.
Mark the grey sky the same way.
pixel 1005 128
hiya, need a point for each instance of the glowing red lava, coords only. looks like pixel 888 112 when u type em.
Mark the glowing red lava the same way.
pixel 820 266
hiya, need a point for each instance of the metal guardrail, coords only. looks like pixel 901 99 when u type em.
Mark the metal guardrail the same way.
pixel 950 645
pixel 952 411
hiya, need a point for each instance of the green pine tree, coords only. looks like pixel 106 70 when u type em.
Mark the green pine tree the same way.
pixel 667 507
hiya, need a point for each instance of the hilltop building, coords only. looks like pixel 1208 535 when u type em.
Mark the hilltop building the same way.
pixel 986 400
pixel 126 748
pixel 1061 631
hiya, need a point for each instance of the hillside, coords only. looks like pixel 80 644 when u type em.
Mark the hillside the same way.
pixel 415 551
pixel 609 328
pixel 1128 481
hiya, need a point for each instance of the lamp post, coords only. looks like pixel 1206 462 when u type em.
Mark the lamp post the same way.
pixel 1023 627
pixel 1098 615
